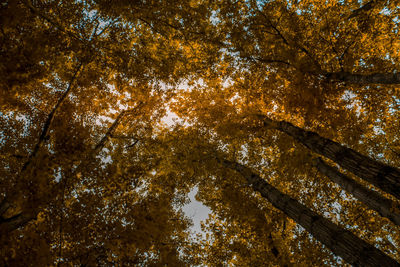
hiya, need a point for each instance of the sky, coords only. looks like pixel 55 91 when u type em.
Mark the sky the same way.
pixel 196 211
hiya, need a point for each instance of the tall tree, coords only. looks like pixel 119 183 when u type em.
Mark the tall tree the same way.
pixel 81 83
pixel 385 177
pixel 384 206
pixel 342 242
pixel 226 115
pixel 91 175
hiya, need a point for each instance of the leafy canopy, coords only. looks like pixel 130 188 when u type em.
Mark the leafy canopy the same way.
pixel 92 175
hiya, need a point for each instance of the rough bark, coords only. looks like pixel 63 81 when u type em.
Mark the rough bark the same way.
pixel 375 78
pixel 368 6
pixel 340 241
pixel 383 176
pixel 373 200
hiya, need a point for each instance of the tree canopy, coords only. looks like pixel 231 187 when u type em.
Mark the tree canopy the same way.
pixel 287 118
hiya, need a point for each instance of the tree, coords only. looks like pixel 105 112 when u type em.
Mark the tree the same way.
pixel 81 83
pixel 342 242
pixel 385 177
pixel 90 175
pixel 384 206
pixel 276 76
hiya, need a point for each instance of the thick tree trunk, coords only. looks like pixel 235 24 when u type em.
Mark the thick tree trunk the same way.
pixel 383 176
pixel 368 6
pixel 342 242
pixel 375 78
pixel 373 200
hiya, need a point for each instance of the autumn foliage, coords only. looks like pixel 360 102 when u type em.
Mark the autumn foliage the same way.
pixel 287 122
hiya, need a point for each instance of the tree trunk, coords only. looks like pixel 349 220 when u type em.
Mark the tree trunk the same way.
pixel 368 6
pixel 375 78
pixel 383 176
pixel 19 220
pixel 342 242
pixel 373 200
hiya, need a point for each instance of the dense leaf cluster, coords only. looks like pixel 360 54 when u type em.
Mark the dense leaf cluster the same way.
pixel 288 118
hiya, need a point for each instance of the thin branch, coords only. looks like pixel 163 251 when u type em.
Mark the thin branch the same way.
pixel 265 60
pixel 122 137
pixel 49 120
pixel 133 144
pixel 109 132
pixel 5 204
pixel 152 27
pixel 274 27
pixel 286 41
pixel 113 126
pixel 106 27
pixel 29 4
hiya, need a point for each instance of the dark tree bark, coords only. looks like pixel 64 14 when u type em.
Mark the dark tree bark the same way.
pixel 341 242
pixel 383 176
pixel 373 200
pixel 368 6
pixel 375 78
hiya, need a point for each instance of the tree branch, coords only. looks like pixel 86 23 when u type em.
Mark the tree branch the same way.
pixel 375 78
pixel 112 128
pixel 373 200
pixel 5 204
pixel 286 41
pixel 49 120
pixel 340 241
pixel 368 6
pixel 28 4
